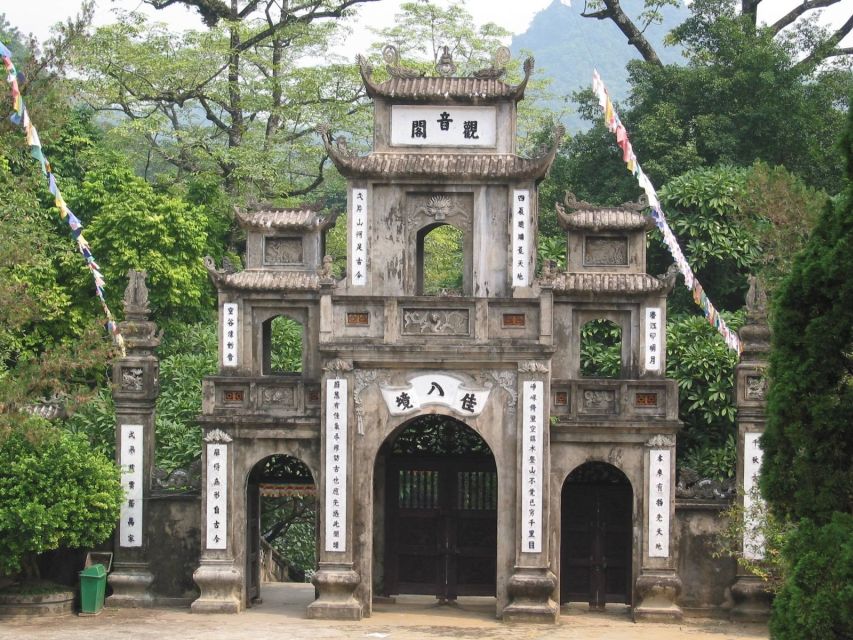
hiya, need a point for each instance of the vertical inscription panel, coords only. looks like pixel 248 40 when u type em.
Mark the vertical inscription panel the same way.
pixel 230 335
pixel 531 459
pixel 130 527
pixel 336 465
pixel 653 338
pixel 521 236
pixel 358 239
pixel 659 499
pixel 753 538
pixel 217 496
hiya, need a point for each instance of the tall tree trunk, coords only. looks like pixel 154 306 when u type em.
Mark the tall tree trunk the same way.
pixel 235 105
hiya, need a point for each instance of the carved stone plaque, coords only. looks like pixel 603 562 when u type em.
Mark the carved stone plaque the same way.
pixel 436 322
pixel 132 378
pixel 756 388
pixel 428 208
pixel 277 396
pixel 598 401
pixel 282 250
pixel 604 251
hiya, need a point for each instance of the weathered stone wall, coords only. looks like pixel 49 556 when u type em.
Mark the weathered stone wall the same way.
pixel 174 531
pixel 706 581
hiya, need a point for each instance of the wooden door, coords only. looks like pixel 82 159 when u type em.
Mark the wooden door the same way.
pixel 595 556
pixel 441 526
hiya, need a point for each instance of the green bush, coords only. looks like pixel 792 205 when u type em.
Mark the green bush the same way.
pixel 710 461
pixel 816 600
pixel 55 491
pixel 703 366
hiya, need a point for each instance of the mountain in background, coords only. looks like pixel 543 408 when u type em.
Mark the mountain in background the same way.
pixel 567 47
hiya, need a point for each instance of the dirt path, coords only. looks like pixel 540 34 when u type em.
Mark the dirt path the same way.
pixel 282 615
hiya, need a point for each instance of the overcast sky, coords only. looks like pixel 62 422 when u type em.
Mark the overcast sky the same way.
pixel 37 16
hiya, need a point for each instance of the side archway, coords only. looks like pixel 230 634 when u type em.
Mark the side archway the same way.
pixel 596 536
pixel 281 514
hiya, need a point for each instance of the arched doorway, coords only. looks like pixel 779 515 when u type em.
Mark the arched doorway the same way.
pixel 440 516
pixel 281 540
pixel 595 550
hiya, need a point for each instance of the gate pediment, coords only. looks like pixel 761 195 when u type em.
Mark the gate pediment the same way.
pixel 435 389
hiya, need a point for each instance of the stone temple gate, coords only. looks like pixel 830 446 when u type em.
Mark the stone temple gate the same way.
pixel 544 482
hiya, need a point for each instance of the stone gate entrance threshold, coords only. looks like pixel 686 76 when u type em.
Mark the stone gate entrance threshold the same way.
pixel 282 615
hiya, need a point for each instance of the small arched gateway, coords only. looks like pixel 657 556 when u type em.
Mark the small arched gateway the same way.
pixel 596 516
pixel 440 429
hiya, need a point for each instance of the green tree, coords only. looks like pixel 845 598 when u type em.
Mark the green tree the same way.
pixel 54 492
pixel 746 93
pixel 806 475
pixel 816 599
pixel 238 99
pixel 808 443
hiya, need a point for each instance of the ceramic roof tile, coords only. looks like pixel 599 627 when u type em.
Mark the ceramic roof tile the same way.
pixel 598 282
pixel 268 280
pixel 279 219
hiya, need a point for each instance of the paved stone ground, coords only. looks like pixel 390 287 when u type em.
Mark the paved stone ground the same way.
pixel 282 615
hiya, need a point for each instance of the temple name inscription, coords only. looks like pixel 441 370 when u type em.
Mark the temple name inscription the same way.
pixel 443 126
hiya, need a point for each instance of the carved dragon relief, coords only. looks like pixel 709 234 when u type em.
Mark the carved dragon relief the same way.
pixel 440 322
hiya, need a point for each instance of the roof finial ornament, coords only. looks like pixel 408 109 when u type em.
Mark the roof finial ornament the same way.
pixel 391 56
pixel 500 59
pixel 445 66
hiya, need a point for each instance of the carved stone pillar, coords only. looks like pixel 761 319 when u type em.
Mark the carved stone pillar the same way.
pixel 751 598
pixel 658 586
pixel 336 579
pixel 135 389
pixel 532 583
pixel 219 577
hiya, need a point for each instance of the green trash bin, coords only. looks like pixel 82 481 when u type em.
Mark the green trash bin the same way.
pixel 93 585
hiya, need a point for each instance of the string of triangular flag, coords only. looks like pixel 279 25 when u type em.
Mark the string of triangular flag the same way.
pixel 614 124
pixel 21 118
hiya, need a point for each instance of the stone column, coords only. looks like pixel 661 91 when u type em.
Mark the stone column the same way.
pixel 219 577
pixel 532 582
pixel 336 578
pixel 135 389
pixel 751 598
pixel 658 585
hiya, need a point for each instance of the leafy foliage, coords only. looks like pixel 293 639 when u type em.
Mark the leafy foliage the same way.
pixel 54 491
pixel 601 349
pixel 713 461
pixel 701 206
pixel 703 366
pixel 443 260
pixel 285 345
pixel 189 354
pixel 816 600
pixel 773 531
pixel 807 444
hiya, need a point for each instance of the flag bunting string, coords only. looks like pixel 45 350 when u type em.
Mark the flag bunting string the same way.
pixel 21 118
pixel 615 126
